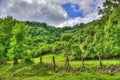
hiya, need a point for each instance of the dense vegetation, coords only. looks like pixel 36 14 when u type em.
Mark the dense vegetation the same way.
pixel 34 39
pixel 20 41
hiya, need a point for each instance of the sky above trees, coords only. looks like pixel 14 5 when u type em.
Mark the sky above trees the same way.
pixel 53 12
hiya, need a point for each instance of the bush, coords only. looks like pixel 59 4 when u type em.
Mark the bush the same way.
pixel 44 50
pixel 27 61
pixel 42 69
pixel 66 37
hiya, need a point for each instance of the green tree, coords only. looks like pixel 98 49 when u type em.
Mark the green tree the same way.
pixel 112 36
pixel 76 51
pixel 6 26
pixel 99 43
pixel 18 41
pixel 66 37
pixel 83 47
pixel 109 6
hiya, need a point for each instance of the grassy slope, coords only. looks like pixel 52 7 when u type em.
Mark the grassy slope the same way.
pixel 92 74
pixel 60 61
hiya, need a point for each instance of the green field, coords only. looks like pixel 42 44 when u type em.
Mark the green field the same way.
pixel 92 71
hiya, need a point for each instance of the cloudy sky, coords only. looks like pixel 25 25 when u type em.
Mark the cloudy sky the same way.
pixel 54 12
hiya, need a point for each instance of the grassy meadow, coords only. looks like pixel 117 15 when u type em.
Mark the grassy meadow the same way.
pixel 92 71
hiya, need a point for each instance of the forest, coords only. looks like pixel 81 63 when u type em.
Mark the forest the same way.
pixel 86 51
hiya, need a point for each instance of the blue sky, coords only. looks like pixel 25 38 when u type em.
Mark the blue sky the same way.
pixel 73 10
pixel 57 13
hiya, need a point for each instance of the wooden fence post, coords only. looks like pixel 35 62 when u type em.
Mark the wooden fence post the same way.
pixel 100 60
pixel 54 64
pixel 67 63
pixel 41 60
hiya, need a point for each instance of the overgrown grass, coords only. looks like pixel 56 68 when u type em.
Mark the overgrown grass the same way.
pixel 45 71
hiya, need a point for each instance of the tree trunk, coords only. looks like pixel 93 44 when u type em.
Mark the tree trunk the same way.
pixel 15 61
pixel 5 52
pixel 67 64
pixel 82 61
pixel 100 59
pixel 75 57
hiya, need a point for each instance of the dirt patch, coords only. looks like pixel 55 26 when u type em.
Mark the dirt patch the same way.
pixel 113 68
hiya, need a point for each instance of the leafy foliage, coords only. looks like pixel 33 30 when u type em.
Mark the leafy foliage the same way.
pixel 19 39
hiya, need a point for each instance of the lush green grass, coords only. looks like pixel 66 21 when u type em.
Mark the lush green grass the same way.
pixel 76 76
pixel 60 61
pixel 91 74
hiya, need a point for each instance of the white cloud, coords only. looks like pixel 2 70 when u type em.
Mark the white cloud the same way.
pixel 49 11
pixel 70 22
pixel 29 1
pixel 77 20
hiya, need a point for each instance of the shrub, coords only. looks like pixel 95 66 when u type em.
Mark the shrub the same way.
pixel 27 61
